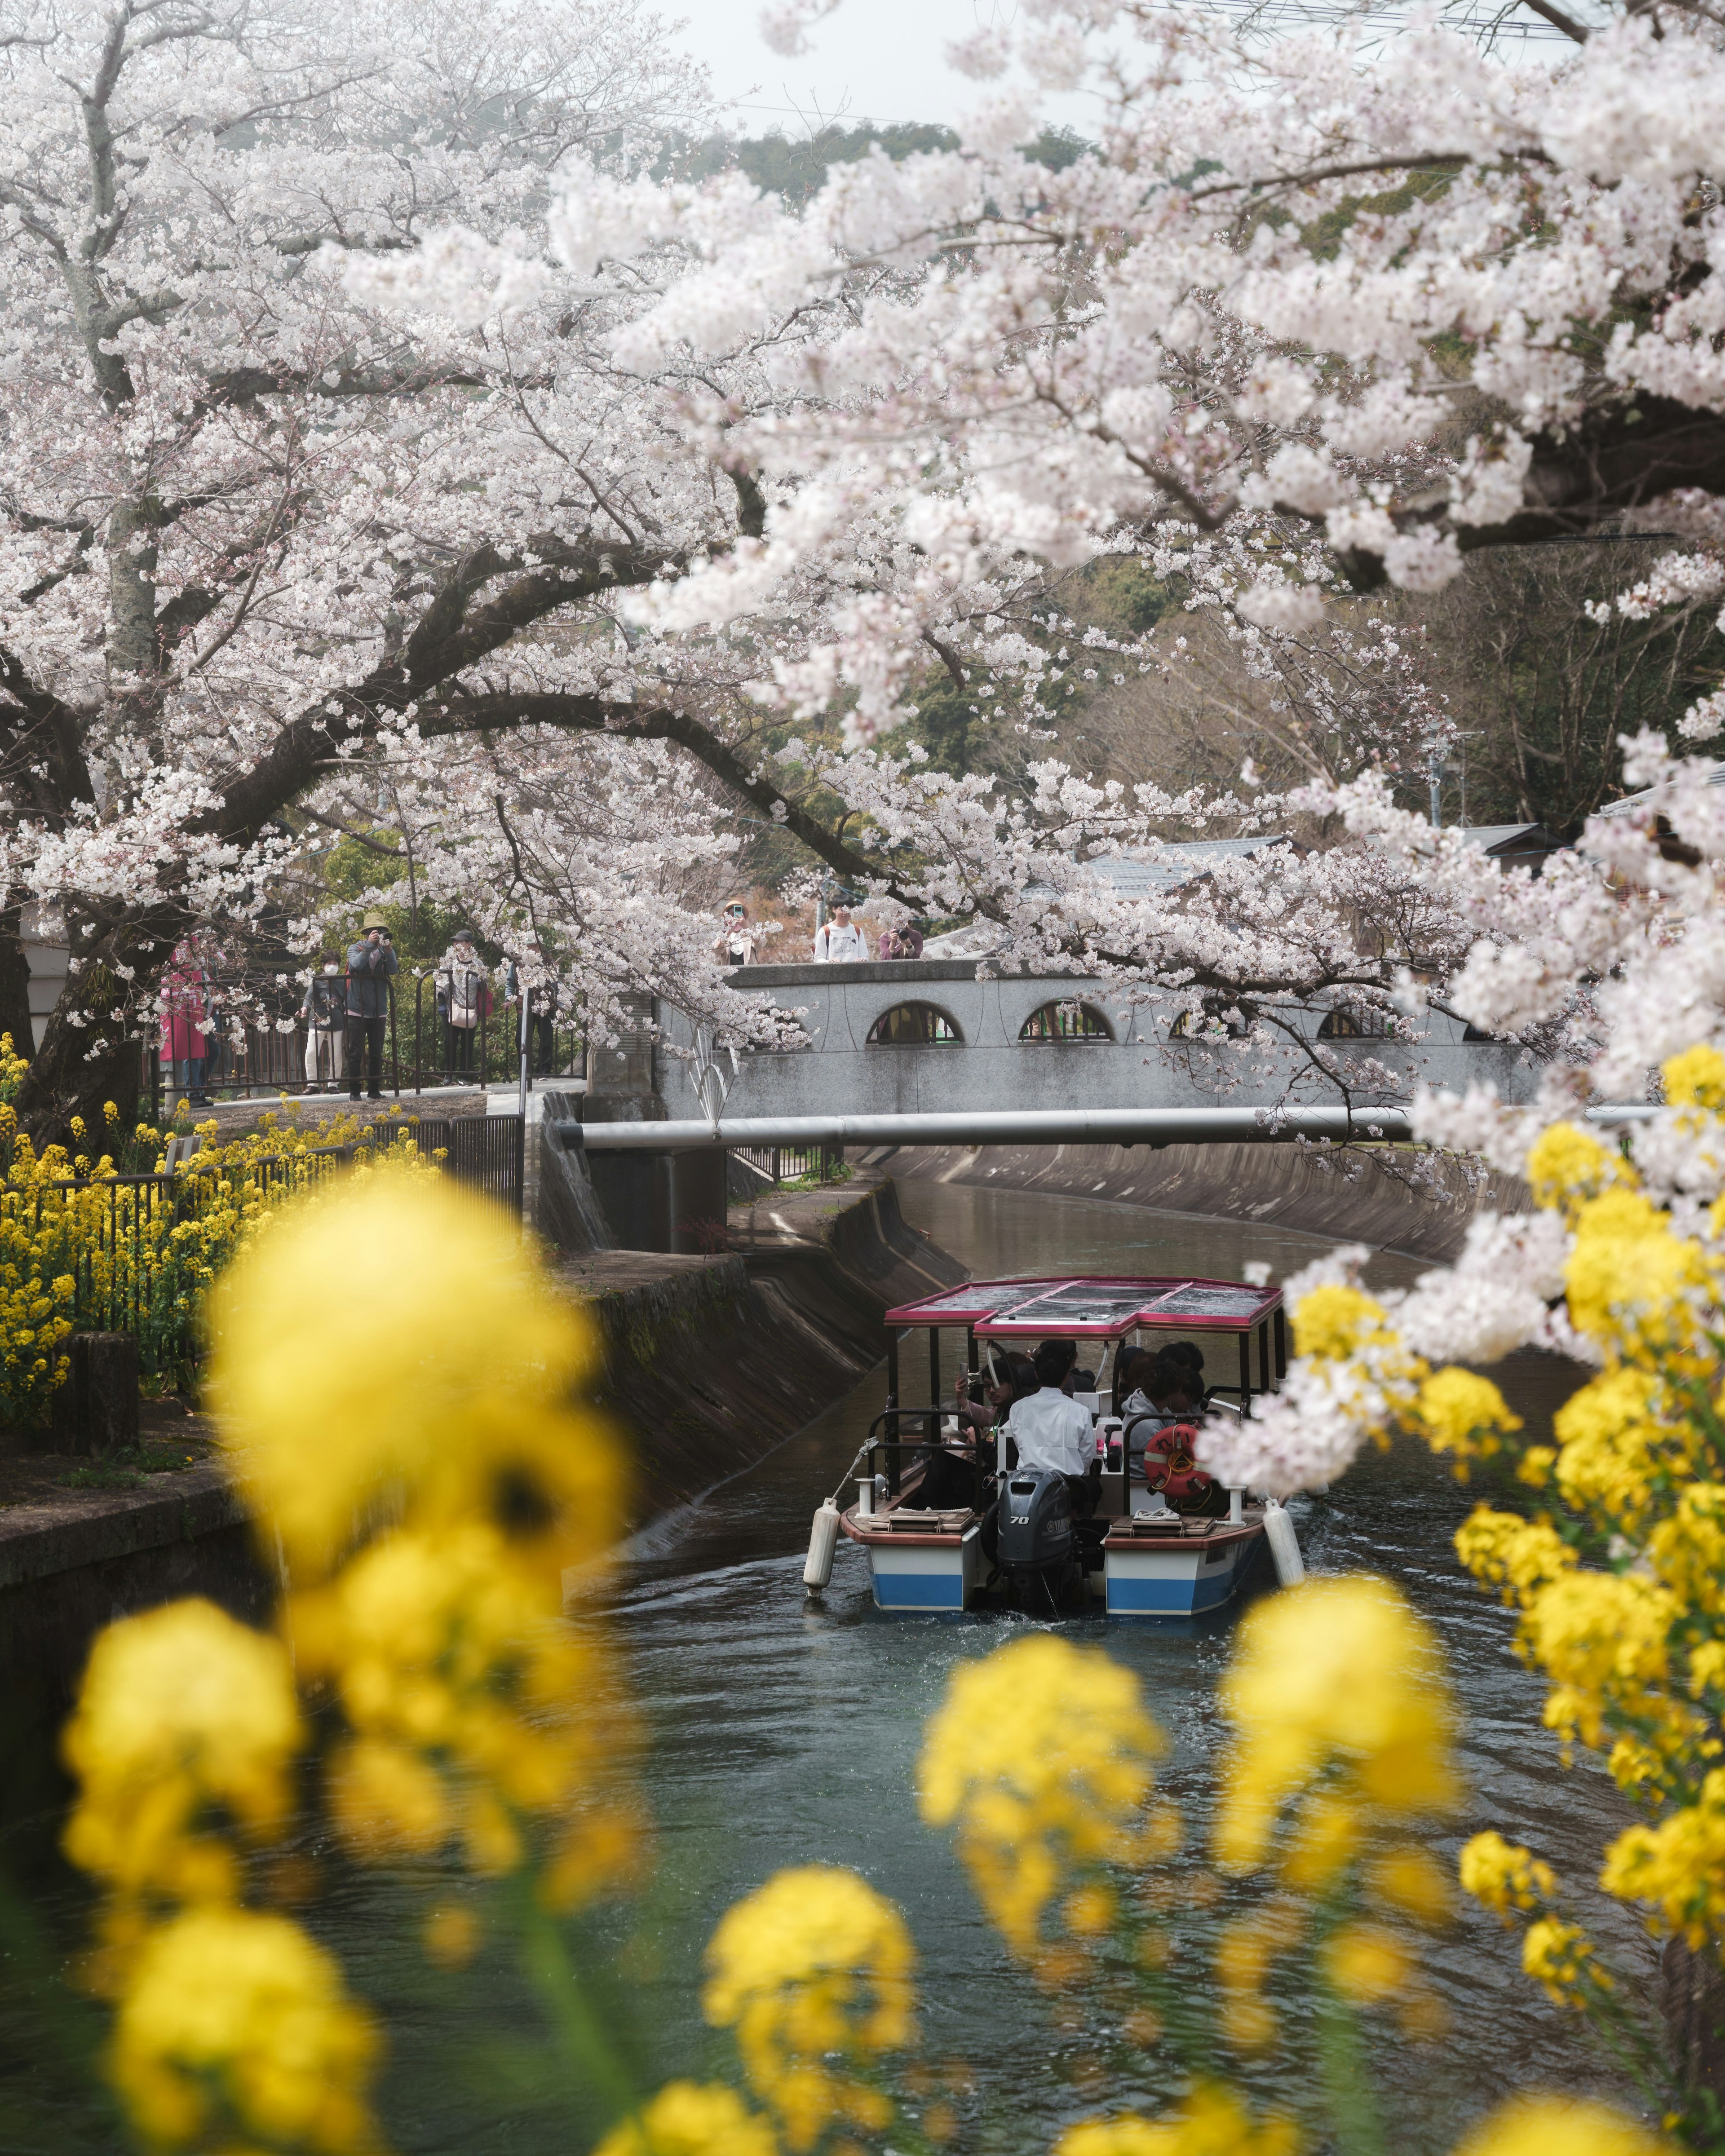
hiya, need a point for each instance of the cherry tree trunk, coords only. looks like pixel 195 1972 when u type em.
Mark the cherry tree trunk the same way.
pixel 15 981
pixel 90 1051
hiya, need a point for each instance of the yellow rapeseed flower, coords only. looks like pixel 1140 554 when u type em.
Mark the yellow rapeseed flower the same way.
pixel 180 1709
pixel 1332 1321
pixel 1696 1079
pixel 1504 1875
pixel 1367 1964
pixel 1556 2126
pixel 813 1967
pixel 1502 1549
pixel 1212 2122
pixel 1410 1879
pixel 1603 1642
pixel 1567 1165
pixel 1627 1276
pixel 1041 1756
pixel 1560 1956
pixel 449 1652
pixel 1677 1865
pixel 1613 1437
pixel 1463 1414
pixel 235 2026
pixel 458 1357
pixel 1335 1682
pixel 691 2118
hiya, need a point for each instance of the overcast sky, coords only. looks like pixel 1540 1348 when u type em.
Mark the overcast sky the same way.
pixel 874 59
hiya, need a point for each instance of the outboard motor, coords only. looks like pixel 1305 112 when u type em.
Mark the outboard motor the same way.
pixel 1036 1547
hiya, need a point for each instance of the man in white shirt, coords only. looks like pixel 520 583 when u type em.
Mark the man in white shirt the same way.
pixel 839 942
pixel 1050 1430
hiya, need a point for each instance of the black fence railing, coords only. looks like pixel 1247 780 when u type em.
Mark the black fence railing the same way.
pixel 421 1050
pixel 135 1253
pixel 793 1163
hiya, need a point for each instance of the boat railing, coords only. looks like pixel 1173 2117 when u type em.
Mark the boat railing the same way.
pixel 895 1446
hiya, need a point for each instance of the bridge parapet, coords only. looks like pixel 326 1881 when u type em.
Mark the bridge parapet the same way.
pixel 860 1060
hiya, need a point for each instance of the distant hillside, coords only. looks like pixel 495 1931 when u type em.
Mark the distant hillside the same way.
pixel 794 167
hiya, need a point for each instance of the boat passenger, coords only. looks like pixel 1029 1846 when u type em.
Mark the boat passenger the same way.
pixel 1191 1355
pixel 1009 1378
pixel 1051 1431
pixel 1058 1357
pixel 1164 1391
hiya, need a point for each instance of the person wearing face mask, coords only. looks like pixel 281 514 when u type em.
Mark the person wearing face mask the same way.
pixel 463 998
pixel 324 1015
pixel 737 944
pixel 839 942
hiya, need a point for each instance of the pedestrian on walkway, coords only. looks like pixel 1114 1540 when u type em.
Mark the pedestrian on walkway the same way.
pixel 737 944
pixel 185 1017
pixel 372 964
pixel 534 978
pixel 324 1015
pixel 463 997
pixel 839 942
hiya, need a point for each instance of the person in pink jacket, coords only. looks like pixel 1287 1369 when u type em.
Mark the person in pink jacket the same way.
pixel 185 1007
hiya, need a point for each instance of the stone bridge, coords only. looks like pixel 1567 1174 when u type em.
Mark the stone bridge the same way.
pixel 926 1036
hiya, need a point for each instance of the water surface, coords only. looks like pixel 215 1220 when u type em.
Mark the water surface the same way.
pixel 785 1731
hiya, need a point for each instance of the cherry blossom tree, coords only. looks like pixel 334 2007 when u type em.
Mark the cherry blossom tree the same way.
pixel 377 419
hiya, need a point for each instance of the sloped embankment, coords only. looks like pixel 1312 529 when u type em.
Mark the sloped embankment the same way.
pixel 710 1361
pixel 1389 1196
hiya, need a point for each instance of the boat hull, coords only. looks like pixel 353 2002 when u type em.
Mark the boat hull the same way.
pixel 925 1575
pixel 1181 1577
pixel 1200 1568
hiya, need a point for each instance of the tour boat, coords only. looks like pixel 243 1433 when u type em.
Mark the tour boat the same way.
pixel 1015 1543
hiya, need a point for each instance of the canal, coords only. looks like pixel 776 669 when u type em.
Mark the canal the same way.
pixel 785 1731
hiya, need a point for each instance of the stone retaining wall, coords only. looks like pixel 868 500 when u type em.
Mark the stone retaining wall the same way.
pixel 1390 1197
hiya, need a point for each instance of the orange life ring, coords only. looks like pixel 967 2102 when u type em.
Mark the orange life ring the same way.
pixel 1170 1467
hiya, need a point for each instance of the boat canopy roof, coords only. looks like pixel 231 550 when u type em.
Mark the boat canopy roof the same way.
pixel 1103 1308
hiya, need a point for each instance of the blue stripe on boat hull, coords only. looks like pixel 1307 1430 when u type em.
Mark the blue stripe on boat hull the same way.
pixel 919 1590
pixel 1170 1598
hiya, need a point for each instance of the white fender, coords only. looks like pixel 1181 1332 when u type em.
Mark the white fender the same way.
pixel 822 1540
pixel 1284 1544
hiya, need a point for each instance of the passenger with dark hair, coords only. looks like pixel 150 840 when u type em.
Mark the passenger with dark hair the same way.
pixel 1006 1380
pixel 1163 1392
pixel 1188 1353
pixel 1055 1360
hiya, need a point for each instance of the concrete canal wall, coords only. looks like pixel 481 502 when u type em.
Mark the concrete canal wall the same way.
pixel 72 1560
pixel 1390 1197
pixel 711 1360
pixel 708 1362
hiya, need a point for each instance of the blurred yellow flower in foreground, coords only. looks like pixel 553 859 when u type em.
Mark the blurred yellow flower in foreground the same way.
pixel 1554 2126
pixel 814 1963
pixel 235 2026
pixel 1041 1754
pixel 1212 2122
pixel 451 1659
pixel 1561 1957
pixel 181 1709
pixel 1465 1415
pixel 1504 1875
pixel 1336 1683
pixel 456 1358
pixel 1335 1320
pixel 691 2118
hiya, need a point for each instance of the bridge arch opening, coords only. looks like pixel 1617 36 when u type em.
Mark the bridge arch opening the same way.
pixel 1067 1020
pixel 914 1025
pixel 1355 1022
